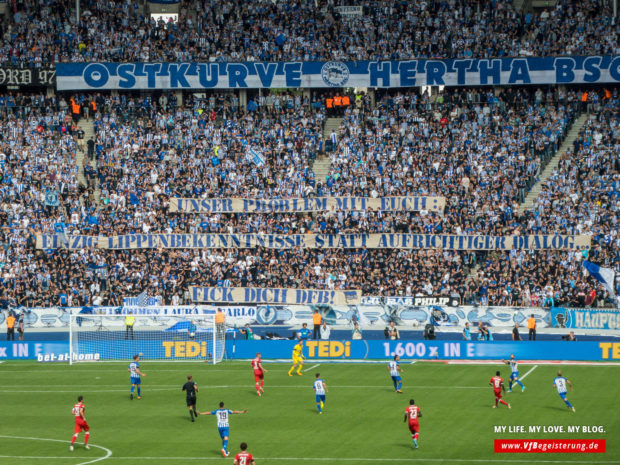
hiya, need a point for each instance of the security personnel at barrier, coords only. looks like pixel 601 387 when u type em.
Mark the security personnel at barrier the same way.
pixel 531 326
pixel 75 110
pixel 337 103
pixel 584 101
pixel 10 327
pixel 130 320
pixel 316 321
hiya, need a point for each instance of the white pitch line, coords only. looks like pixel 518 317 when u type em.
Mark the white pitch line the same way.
pixel 413 362
pixel 528 362
pixel 87 390
pixel 37 370
pixel 528 372
pixel 98 459
pixel 243 386
pixel 77 386
pixel 324 459
pixel 313 366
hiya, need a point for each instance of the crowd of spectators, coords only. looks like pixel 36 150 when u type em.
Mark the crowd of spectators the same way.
pixel 582 27
pixel 480 150
pixel 188 153
pixel 38 187
pixel 580 197
pixel 46 31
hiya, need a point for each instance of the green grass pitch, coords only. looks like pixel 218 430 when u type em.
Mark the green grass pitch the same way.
pixel 362 421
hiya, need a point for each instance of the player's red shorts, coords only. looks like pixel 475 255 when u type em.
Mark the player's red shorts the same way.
pixel 80 425
pixel 414 427
pixel 498 394
pixel 258 376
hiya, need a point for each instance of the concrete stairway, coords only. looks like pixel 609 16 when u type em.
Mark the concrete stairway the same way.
pixel 82 156
pixel 323 164
pixel 331 124
pixel 191 12
pixel 573 133
pixel 321 168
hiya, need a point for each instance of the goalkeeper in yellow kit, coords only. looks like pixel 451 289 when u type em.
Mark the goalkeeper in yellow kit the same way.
pixel 298 358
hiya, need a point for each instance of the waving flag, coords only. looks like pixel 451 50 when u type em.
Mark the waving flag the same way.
pixel 605 276
pixel 61 232
pixel 255 157
pixel 143 299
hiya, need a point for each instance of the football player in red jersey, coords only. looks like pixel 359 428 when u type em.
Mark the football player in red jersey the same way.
pixel 244 457
pixel 259 374
pixel 412 413
pixel 80 423
pixel 498 386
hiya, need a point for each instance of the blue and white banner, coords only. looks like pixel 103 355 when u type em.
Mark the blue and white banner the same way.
pixel 442 350
pixel 585 318
pixel 306 204
pixel 368 315
pixel 262 295
pixel 164 346
pixel 417 301
pixel 350 11
pixel 315 241
pixel 31 350
pixel 315 74
pixel 138 301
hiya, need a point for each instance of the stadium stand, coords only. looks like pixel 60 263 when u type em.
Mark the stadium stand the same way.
pixel 41 32
pixel 134 199
pixel 481 148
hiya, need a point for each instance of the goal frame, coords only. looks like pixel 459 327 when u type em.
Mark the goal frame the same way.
pixel 208 335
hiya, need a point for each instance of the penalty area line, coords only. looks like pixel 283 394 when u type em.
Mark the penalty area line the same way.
pixel 26 438
pixel 528 372
pixel 313 366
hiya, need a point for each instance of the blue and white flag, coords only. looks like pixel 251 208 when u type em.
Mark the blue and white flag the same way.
pixel 61 232
pixel 51 198
pixel 255 157
pixel 143 299
pixel 280 39
pixel 605 276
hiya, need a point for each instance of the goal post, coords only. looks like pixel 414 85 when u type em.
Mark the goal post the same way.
pixel 152 337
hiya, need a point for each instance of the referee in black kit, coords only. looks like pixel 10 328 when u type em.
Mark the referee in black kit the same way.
pixel 191 389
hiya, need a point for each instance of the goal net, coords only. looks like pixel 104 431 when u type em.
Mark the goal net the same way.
pixel 112 337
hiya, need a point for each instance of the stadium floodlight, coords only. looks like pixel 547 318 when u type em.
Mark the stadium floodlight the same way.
pixel 152 337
